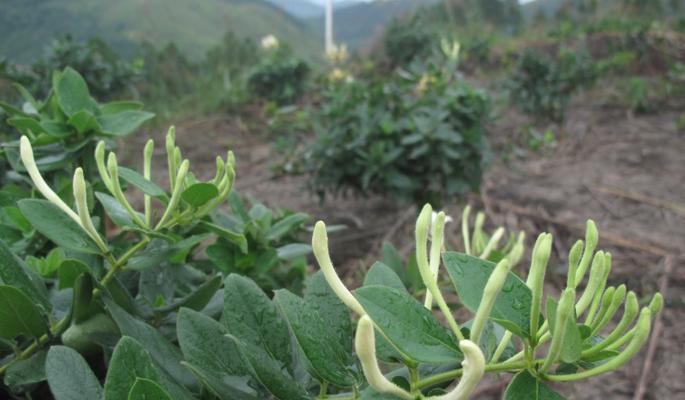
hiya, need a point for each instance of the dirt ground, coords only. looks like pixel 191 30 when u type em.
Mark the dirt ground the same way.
pixel 626 172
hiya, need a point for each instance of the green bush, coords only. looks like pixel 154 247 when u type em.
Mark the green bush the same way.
pixel 542 87
pixel 106 74
pixel 281 76
pixel 407 40
pixel 415 137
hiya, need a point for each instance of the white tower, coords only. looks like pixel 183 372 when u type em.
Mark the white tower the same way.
pixel 329 26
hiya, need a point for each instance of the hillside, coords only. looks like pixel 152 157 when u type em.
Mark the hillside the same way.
pixel 359 24
pixel 299 8
pixel 28 26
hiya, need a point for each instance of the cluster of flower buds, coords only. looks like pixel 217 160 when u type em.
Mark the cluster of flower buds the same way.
pixel 176 211
pixel 597 303
pixel 429 247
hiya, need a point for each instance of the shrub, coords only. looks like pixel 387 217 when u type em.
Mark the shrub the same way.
pixel 407 40
pixel 106 74
pixel 279 77
pixel 542 87
pixel 415 137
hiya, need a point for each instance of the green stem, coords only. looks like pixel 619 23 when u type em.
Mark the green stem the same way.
pixel 449 375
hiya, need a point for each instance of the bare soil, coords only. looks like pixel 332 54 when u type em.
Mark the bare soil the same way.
pixel 627 172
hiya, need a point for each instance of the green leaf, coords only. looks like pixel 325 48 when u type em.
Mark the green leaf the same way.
pixel 382 275
pixel 199 194
pixel 114 107
pixel 408 325
pixel 285 226
pixel 572 345
pixel 327 359
pixel 123 123
pixel 525 387
pixel 84 121
pixel 26 372
pixel 83 308
pixel 199 298
pixel 319 295
pixel 238 239
pixel 70 377
pixel 129 362
pixel 14 272
pixel 19 315
pixel 69 270
pixel 166 356
pixel 145 389
pixel 141 183
pixel 292 251
pixel 250 316
pixel 52 222
pixel 25 124
pixel 116 211
pixel 512 306
pixel 72 92
pixel 271 374
pixel 392 259
pixel 215 358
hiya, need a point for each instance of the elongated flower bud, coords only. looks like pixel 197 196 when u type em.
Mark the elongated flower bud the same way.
pixel 474 368
pixel 79 186
pixel 536 277
pixel 656 304
pixel 591 239
pixel 102 168
pixel 147 174
pixel 573 260
pixel 478 241
pixel 365 344
pixel 423 223
pixel 437 235
pixel 630 311
pixel 113 169
pixel 320 249
pixel 465 229
pixel 490 293
pixel 594 281
pixel 171 161
pixel 492 243
pixel 516 252
pixel 176 194
pixel 564 312
pixel 616 301
pixel 640 335
pixel 26 152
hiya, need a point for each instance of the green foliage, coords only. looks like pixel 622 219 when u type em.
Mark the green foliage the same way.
pixel 542 87
pixel 271 255
pixel 416 137
pixel 406 40
pixel 63 129
pixel 280 76
pixel 106 74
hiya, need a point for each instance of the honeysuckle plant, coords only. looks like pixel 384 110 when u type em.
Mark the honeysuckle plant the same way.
pixel 509 331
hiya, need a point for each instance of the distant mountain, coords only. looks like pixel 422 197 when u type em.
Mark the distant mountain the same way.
pixel 357 24
pixel 299 8
pixel 28 26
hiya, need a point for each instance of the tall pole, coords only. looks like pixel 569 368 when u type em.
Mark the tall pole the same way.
pixel 329 26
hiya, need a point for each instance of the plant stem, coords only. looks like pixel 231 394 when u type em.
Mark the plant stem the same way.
pixel 61 324
pixel 449 375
